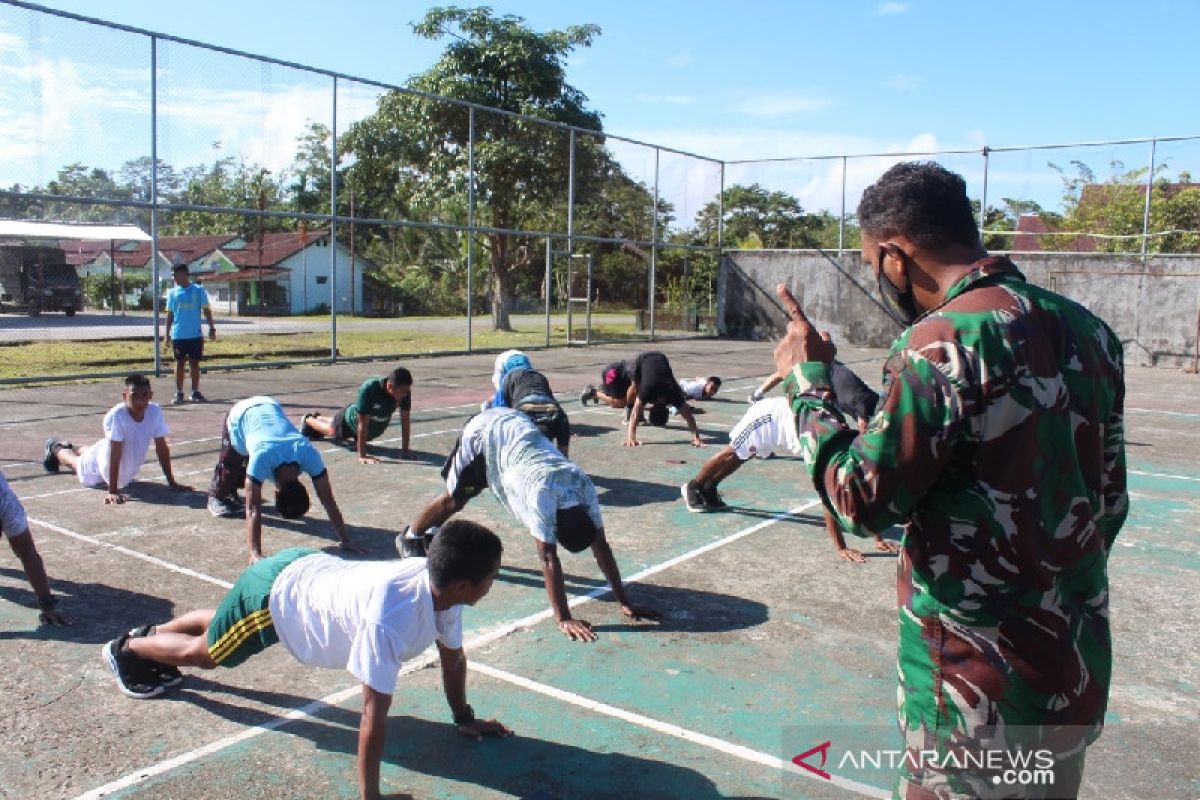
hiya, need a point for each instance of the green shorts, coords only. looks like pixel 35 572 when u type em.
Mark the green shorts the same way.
pixel 242 625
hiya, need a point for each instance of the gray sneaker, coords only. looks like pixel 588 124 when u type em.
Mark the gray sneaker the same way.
pixel 50 454
pixel 178 399
pixel 414 546
pixel 134 677
pixel 589 393
pixel 222 507
pixel 693 498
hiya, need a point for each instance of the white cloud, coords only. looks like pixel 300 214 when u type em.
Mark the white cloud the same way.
pixel 681 59
pixel 666 99
pixel 891 9
pixel 903 83
pixel 765 106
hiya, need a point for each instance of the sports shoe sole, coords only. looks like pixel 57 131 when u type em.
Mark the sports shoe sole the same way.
pixel 111 659
pixel 683 492
pixel 50 455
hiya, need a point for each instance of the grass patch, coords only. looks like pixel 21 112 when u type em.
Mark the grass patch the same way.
pixel 81 357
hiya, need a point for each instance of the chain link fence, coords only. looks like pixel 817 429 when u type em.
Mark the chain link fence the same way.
pixel 334 217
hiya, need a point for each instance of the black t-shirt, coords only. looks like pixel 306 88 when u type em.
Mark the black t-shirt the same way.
pixel 851 395
pixel 522 385
pixel 615 379
pixel 655 381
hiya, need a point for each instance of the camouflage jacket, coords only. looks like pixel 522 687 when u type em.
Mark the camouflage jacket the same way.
pixel 1000 448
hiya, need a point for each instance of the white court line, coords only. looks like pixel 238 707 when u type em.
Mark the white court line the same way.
pixel 311 709
pixel 1168 413
pixel 158 562
pixel 1162 475
pixel 711 742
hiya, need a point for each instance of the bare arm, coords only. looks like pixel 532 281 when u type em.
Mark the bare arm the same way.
pixel 114 473
pixel 454 680
pixel 253 490
pixel 170 321
pixel 608 565
pixel 405 430
pixel 360 440
pixel 212 328
pixel 575 629
pixel 635 416
pixel 372 730
pixel 163 451
pixel 325 495
pixel 685 411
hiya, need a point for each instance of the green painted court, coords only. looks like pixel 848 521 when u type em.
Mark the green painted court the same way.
pixel 767 638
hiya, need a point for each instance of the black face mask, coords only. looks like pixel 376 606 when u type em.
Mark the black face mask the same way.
pixel 898 304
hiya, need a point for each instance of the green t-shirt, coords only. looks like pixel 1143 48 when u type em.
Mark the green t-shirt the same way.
pixel 374 401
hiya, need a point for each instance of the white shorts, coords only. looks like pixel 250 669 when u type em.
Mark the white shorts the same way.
pixel 767 426
pixel 13 521
pixel 88 470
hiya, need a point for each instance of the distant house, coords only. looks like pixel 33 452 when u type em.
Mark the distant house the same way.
pixel 285 273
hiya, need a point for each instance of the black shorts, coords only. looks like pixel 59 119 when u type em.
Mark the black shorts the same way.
pixel 551 420
pixel 189 349
pixel 465 473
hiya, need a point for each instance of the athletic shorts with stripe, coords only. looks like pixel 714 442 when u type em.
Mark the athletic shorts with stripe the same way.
pixel 465 470
pixel 764 427
pixel 242 625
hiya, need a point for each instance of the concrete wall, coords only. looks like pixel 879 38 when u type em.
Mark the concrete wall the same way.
pixel 1154 306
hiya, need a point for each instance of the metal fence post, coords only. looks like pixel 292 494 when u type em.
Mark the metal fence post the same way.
pixel 154 285
pixel 570 228
pixel 1149 193
pixel 470 220
pixel 653 247
pixel 549 278
pixel 983 198
pixel 842 218
pixel 333 212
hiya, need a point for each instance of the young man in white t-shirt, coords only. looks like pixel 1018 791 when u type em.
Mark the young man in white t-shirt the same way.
pixel 767 426
pixel 549 494
pixel 367 617
pixel 14 526
pixel 129 428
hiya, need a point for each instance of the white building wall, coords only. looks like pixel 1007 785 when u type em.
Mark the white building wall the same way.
pixel 308 278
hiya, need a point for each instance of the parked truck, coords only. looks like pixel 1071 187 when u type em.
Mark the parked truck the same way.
pixel 35 278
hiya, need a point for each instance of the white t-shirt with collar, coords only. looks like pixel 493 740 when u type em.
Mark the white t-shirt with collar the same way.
pixel 367 617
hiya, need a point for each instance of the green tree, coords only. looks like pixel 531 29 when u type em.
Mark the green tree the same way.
pixel 757 218
pixel 413 151
pixel 1116 208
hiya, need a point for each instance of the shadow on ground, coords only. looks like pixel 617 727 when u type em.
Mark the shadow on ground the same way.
pixel 99 612
pixel 522 766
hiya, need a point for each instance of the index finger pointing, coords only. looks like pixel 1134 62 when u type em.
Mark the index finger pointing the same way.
pixel 790 305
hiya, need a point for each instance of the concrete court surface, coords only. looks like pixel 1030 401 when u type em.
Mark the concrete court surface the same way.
pixel 767 637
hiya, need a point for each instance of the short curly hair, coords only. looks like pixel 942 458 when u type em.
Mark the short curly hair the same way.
pixel 922 201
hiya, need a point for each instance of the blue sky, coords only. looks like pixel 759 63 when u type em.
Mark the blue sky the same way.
pixel 752 79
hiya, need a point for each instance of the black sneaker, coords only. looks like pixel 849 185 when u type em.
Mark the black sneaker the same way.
pixel 178 399
pixel 410 546
pixel 168 676
pixel 198 398
pixel 134 677
pixel 693 497
pixel 712 498
pixel 50 455
pixel 589 393
pixel 222 507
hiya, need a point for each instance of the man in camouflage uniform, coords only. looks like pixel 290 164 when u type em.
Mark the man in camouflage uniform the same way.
pixel 1000 448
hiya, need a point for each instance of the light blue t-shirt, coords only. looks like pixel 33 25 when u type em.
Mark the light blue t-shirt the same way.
pixel 258 428
pixel 185 304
